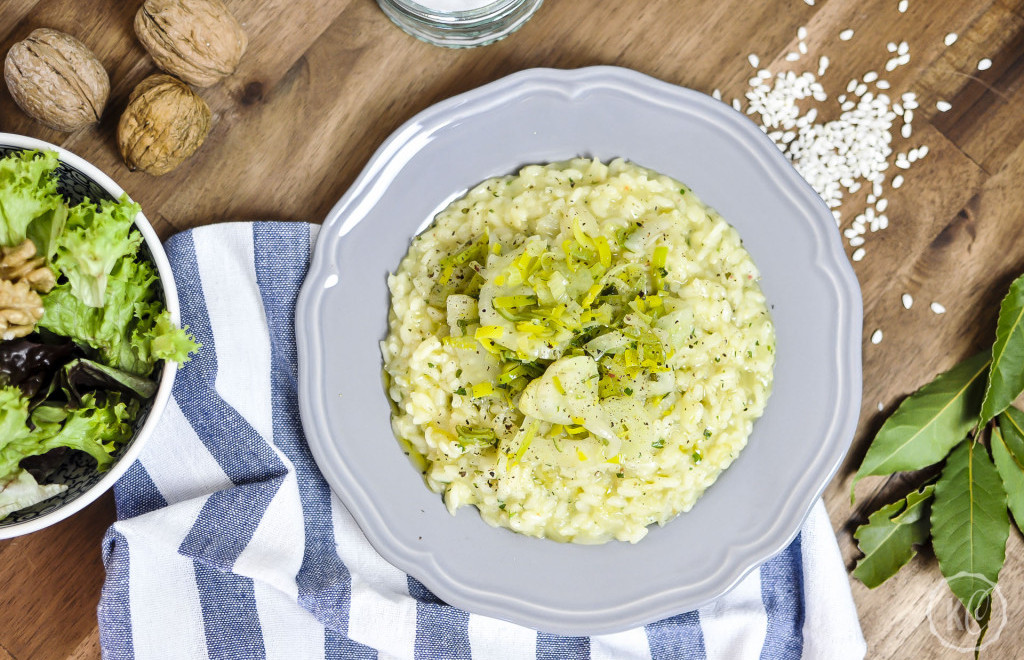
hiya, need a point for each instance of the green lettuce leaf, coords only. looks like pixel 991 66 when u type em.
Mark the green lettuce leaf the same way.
pixel 28 194
pixel 46 229
pixel 21 490
pixel 108 329
pixel 81 375
pixel 13 419
pixel 95 428
pixel 157 338
pixel 94 240
pixel 132 331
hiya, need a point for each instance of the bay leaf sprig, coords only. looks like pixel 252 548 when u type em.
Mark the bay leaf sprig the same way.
pixel 965 420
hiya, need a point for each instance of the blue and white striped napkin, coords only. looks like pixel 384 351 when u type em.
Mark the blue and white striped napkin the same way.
pixel 229 543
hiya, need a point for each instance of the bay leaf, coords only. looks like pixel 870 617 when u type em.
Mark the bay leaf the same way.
pixel 970 525
pixel 1011 471
pixel 1006 377
pixel 888 538
pixel 929 422
pixel 1011 423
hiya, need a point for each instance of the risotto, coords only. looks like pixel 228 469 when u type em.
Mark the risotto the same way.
pixel 578 350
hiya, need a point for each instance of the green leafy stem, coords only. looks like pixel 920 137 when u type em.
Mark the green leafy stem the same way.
pixel 964 418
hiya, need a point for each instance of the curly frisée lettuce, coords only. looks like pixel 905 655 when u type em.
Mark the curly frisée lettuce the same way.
pixel 29 198
pixel 131 330
pixel 78 381
pixel 95 239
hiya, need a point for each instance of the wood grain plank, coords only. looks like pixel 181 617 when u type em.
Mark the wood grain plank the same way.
pixel 987 117
pixel 89 647
pixel 324 83
pixel 105 26
pixel 12 12
pixel 62 567
pixel 971 261
pixel 337 83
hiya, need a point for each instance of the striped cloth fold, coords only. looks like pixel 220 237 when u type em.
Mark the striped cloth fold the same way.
pixel 229 543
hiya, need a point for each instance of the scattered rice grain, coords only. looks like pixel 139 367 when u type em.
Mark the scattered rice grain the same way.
pixel 938 308
pixel 876 337
pixel 985 64
pixel 943 106
pixel 846 34
pixel 950 38
pixel 858 254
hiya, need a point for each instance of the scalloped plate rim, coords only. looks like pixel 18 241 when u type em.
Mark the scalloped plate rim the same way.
pixel 422 564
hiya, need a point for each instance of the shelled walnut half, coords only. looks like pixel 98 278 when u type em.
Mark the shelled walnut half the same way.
pixel 21 263
pixel 20 309
pixel 23 276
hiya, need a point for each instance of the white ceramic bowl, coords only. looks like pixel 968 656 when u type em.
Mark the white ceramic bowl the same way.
pixel 79 178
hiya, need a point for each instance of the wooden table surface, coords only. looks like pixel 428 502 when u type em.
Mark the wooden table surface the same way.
pixel 324 82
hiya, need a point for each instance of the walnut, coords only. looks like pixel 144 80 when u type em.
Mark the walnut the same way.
pixel 20 309
pixel 21 263
pixel 197 40
pixel 56 80
pixel 164 123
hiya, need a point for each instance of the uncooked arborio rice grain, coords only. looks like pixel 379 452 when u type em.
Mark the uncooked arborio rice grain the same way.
pixel 852 151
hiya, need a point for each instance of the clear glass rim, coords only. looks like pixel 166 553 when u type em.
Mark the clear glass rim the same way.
pixel 490 11
pixel 460 29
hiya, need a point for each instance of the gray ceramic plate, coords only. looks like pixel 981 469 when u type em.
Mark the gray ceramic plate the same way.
pixel 758 504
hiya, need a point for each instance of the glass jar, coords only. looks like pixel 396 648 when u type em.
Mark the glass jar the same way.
pixel 459 23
